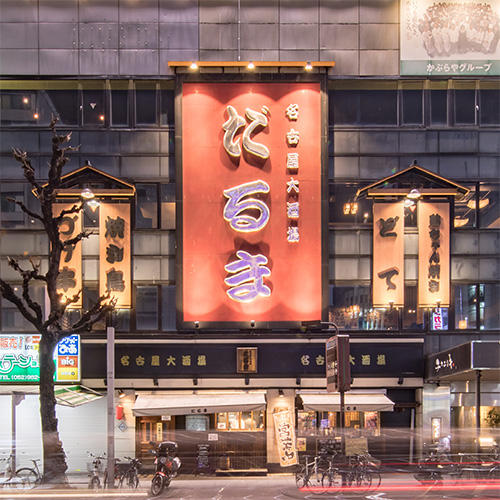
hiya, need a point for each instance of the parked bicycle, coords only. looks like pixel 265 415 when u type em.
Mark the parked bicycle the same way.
pixel 315 474
pixel 30 476
pixel 130 476
pixel 25 477
pixel 95 469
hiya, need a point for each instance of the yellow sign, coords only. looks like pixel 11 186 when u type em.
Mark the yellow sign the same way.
pixel 433 254
pixel 114 253
pixel 285 438
pixel 69 280
pixel 388 254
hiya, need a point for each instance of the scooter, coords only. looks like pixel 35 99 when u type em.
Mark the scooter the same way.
pixel 166 466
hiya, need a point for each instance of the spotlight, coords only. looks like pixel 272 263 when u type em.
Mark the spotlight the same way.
pixel 281 393
pixel 35 116
pixel 87 194
pixel 414 194
pixel 252 323
pixel 193 66
pixel 121 394
pixel 101 118
pixel 251 65
pixel 308 66
pixel 197 324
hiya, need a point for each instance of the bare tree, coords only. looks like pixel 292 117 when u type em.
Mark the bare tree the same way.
pixel 51 325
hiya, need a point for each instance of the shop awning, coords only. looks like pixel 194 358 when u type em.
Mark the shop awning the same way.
pixel 194 404
pixel 353 402
pixel 75 395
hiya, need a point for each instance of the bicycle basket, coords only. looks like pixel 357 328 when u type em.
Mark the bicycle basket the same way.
pixel 91 467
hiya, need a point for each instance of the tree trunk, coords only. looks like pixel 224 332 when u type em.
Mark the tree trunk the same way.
pixel 54 458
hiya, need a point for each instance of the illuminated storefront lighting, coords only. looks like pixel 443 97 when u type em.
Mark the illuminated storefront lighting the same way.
pixel 251 65
pixel 308 66
pixel 193 66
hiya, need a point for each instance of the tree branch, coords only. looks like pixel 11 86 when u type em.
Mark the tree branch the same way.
pixel 67 211
pixel 29 171
pixel 79 237
pixel 95 313
pixel 25 209
pixel 8 294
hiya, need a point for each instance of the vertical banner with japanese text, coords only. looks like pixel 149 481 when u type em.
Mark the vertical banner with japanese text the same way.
pixel 285 437
pixel 433 254
pixel 251 202
pixel 388 254
pixel 114 253
pixel 69 280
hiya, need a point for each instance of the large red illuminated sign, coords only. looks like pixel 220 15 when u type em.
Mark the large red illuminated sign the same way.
pixel 251 202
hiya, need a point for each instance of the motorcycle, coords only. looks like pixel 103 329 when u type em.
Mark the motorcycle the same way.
pixel 166 466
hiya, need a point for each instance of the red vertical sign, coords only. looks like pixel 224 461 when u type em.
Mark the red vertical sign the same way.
pixel 251 162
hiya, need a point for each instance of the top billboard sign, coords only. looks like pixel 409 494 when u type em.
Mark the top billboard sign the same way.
pixel 251 202
pixel 459 37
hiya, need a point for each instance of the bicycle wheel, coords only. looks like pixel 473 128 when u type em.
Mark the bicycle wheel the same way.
pixel 301 479
pixel 376 479
pixel 363 480
pixel 28 477
pixel 132 479
pixel 94 483
pixel 332 481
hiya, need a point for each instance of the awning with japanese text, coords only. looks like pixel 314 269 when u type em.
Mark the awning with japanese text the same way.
pixel 194 404
pixel 353 402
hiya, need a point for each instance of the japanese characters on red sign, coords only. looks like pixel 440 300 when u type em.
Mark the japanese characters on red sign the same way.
pixel 251 160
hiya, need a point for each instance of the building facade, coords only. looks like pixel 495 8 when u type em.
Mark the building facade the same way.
pixel 112 71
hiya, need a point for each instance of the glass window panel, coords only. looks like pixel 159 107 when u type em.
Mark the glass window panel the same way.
pixel 19 107
pixel 197 423
pixel 344 107
pixel 413 316
pixel 379 107
pixel 439 107
pixel 119 108
pixel 306 423
pixel 121 320
pixel 465 306
pixel 146 308
pixel 167 107
pixel 489 206
pixel 146 209
pixel 490 107
pixel 89 298
pixel 344 209
pixel 94 109
pixel 350 307
pixel 412 107
pixel 168 308
pixel 167 193
pixel 90 217
pixel 465 107
pixel 489 306
pixel 465 210
pixel 12 319
pixel 65 104
pixel 145 106
pixel 11 214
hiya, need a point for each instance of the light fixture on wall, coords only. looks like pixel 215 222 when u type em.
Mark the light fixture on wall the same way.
pixel 87 194
pixel 197 324
pixel 155 382
pixel 252 323
pixel 308 66
pixel 414 194
pixel 251 65
pixel 121 393
pixel 408 203
pixel 281 394
pixel 93 204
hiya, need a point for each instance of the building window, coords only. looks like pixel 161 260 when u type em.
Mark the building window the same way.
pixel 488 209
pixel 146 308
pixel 489 306
pixel 465 306
pixel 412 107
pixel 120 107
pixel 11 318
pixel 198 423
pixel 168 308
pixel 439 107
pixel 94 107
pixel 240 421
pixel 167 194
pixel 490 107
pixel 146 208
pixel 146 103
pixel 167 107
pixel 465 107
pixel 11 214
pixel 344 208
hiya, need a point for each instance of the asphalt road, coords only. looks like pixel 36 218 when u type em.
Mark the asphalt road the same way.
pixel 269 488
